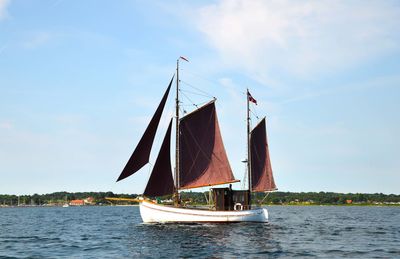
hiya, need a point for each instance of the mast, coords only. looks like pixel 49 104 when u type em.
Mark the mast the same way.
pixel 176 191
pixel 248 147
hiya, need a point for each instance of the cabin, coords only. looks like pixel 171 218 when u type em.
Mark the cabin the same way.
pixel 228 199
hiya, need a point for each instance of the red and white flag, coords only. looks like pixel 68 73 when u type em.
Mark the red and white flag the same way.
pixel 184 58
pixel 251 99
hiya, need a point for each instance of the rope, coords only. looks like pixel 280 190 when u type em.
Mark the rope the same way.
pixel 255 114
pixel 264 198
pixel 202 94
pixel 188 99
pixel 203 77
pixel 196 88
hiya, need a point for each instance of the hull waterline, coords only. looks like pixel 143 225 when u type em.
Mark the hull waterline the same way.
pixel 154 213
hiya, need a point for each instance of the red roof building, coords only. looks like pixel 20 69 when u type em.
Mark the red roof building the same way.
pixel 77 203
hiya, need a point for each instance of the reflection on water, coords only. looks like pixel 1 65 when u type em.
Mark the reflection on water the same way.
pixel 117 232
pixel 204 240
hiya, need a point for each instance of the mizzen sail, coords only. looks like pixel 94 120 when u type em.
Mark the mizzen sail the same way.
pixel 261 170
pixel 141 155
pixel 202 157
pixel 161 181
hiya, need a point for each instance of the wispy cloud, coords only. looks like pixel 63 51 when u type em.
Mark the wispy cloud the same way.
pixel 378 82
pixel 3 8
pixel 3 48
pixel 301 38
pixel 6 125
pixel 37 39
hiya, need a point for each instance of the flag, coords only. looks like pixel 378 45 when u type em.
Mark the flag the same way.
pixel 251 99
pixel 184 58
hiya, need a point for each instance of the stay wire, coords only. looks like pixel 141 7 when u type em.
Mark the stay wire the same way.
pixel 203 77
pixel 190 92
pixel 187 97
pixel 196 88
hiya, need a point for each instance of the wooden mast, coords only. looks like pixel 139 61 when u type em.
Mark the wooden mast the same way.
pixel 176 191
pixel 248 147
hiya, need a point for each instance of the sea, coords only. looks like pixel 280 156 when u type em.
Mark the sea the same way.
pixel 118 232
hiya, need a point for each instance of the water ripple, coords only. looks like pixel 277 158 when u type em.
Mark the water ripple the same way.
pixel 117 232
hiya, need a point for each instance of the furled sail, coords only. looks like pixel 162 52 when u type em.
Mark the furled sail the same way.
pixel 202 157
pixel 161 181
pixel 141 155
pixel 261 171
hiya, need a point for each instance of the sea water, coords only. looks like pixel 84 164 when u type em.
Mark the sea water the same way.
pixel 117 232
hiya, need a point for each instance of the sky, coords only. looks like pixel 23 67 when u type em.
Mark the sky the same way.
pixel 79 81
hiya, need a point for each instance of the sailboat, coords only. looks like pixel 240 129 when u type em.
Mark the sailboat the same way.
pixel 200 161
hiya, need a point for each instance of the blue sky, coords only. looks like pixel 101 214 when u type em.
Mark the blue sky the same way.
pixel 79 81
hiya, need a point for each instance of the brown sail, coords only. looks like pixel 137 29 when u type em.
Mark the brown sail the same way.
pixel 161 181
pixel 141 155
pixel 202 157
pixel 261 171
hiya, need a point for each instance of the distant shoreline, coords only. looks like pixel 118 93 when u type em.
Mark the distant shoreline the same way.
pixel 200 198
pixel 72 206
pixel 264 205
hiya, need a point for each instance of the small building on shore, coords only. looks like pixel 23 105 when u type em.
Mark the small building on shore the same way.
pixel 89 201
pixel 77 203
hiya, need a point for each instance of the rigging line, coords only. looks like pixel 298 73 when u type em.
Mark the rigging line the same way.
pixel 202 103
pixel 182 110
pixel 255 111
pixel 203 77
pixel 189 99
pixel 190 92
pixel 199 104
pixel 264 198
pixel 255 114
pixel 198 89
pixel 205 197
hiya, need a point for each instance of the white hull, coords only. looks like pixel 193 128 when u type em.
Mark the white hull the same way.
pixel 154 213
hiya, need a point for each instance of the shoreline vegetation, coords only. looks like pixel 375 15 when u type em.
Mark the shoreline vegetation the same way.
pixel 200 198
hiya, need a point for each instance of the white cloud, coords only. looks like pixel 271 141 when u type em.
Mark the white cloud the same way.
pixel 301 38
pixel 3 8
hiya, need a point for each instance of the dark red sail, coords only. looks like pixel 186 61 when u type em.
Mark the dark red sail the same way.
pixel 161 181
pixel 141 155
pixel 202 157
pixel 261 171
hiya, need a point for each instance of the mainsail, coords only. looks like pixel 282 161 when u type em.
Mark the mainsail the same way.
pixel 261 171
pixel 161 181
pixel 141 155
pixel 202 157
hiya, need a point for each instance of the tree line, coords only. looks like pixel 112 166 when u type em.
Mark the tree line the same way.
pixel 201 198
pixel 58 198
pixel 307 198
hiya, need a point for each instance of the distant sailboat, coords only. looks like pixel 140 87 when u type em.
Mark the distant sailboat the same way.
pixel 66 204
pixel 200 161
